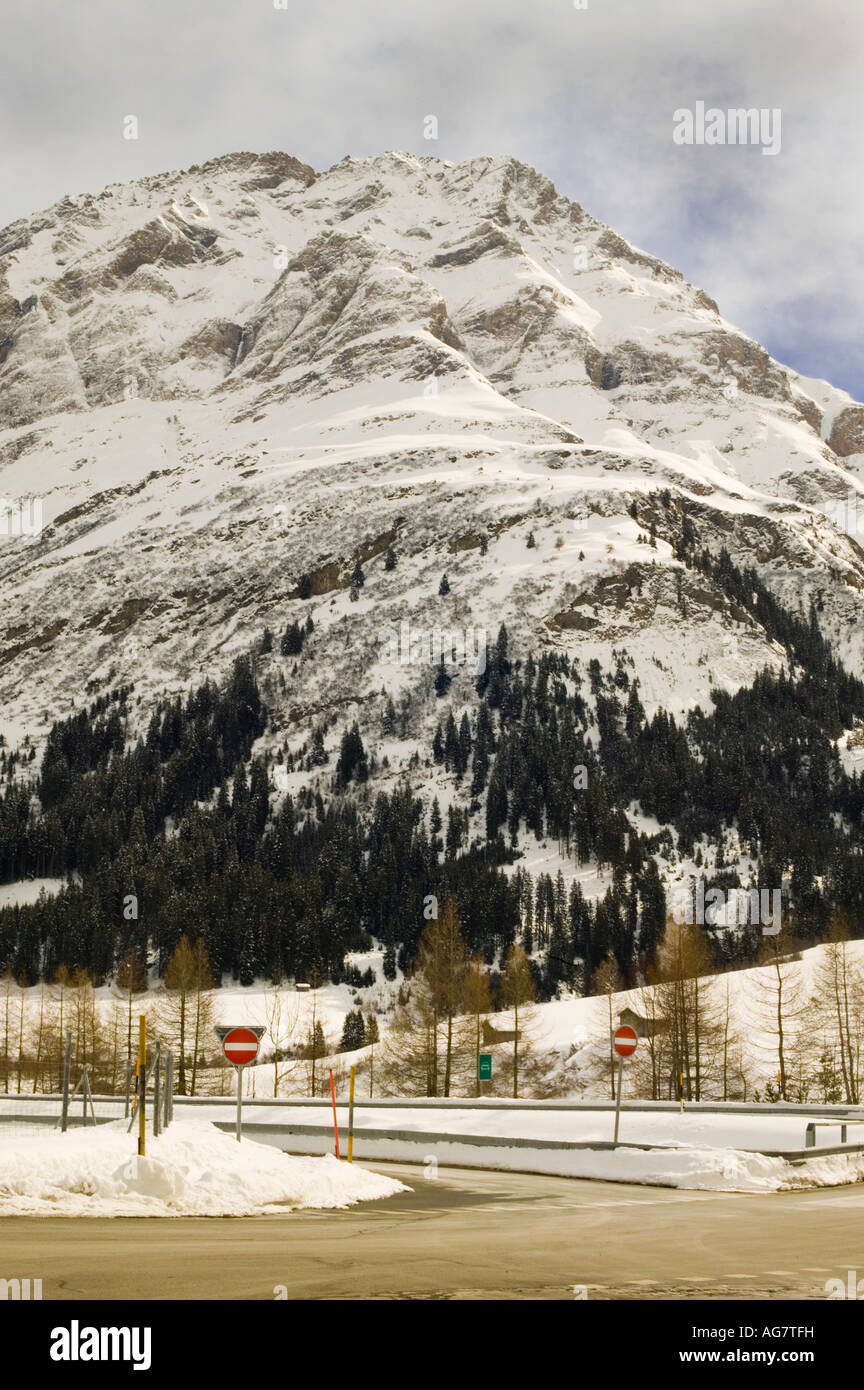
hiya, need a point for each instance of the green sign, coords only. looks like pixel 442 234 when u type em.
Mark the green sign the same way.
pixel 484 1066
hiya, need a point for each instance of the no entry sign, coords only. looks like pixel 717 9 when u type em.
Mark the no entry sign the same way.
pixel 625 1040
pixel 240 1046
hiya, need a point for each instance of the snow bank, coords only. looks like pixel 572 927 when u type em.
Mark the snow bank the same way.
pixel 711 1170
pixel 684 1166
pixel 191 1170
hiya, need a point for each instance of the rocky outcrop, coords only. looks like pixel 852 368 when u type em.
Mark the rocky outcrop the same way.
pixel 847 432
pixel 620 250
pixel 732 355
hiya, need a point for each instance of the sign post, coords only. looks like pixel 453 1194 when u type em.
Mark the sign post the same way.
pixel 240 1046
pixel 157 1114
pixel 67 1054
pixel 624 1041
pixel 335 1121
pixel 484 1066
pixel 141 1071
pixel 351 1117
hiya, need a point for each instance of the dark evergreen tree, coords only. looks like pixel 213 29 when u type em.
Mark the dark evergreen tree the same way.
pixel 443 680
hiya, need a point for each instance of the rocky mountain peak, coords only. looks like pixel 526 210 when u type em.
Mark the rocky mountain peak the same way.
pixel 222 380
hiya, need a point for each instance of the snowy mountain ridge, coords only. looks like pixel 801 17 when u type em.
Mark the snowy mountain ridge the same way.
pixel 229 385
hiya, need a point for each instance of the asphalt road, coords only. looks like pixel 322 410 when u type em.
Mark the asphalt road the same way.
pixel 466 1235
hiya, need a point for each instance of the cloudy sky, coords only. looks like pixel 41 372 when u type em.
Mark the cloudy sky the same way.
pixel 584 94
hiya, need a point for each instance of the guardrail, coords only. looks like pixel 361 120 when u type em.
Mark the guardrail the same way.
pixel 810 1132
pixel 850 1113
pixel 411 1140
pixel 319 1140
pixel 54 1121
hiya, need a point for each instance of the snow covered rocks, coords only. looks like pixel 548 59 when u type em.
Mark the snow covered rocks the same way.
pixel 192 1170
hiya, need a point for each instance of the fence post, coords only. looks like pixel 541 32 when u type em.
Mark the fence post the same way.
pixel 335 1121
pixel 142 1084
pixel 157 1111
pixel 169 1084
pixel 67 1056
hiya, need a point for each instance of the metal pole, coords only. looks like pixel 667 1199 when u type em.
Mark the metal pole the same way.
pixel 351 1117
pixel 239 1071
pixel 67 1057
pixel 618 1097
pixel 157 1112
pixel 169 1082
pixel 142 1084
pixel 335 1122
pixel 128 1086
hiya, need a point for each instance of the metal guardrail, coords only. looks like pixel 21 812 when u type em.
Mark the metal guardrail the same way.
pixel 419 1136
pixel 54 1121
pixel 851 1113
pixel 425 1139
pixel 810 1133
pixel 286 1130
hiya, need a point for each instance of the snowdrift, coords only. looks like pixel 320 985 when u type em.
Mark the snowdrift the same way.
pixel 192 1170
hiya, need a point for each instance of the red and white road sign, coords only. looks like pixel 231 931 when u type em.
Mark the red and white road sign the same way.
pixel 240 1046
pixel 625 1041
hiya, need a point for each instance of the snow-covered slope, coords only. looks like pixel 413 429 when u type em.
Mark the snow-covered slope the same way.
pixel 220 380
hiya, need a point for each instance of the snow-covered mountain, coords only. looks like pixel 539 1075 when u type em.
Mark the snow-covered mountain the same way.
pixel 222 380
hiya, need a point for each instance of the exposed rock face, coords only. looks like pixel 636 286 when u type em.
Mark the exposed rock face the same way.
pixel 847 432
pixel 231 384
pixel 746 363
pixel 619 249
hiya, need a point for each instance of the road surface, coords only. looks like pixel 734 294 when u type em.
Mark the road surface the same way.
pixel 464 1235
